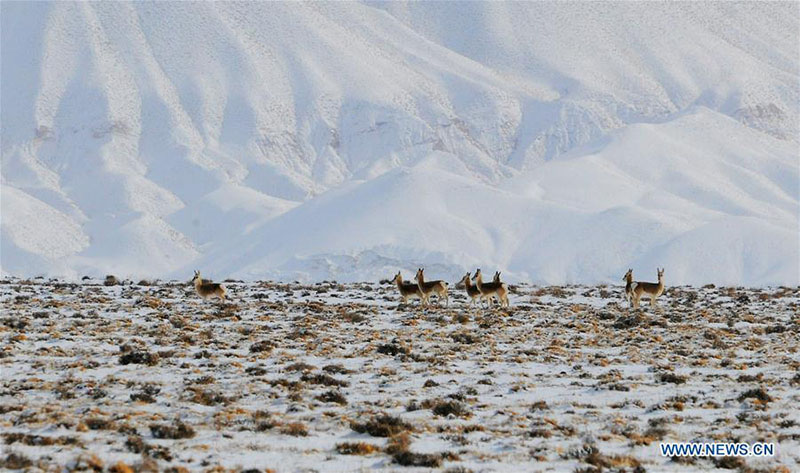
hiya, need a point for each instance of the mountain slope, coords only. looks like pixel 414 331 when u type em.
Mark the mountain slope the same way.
pixel 568 220
pixel 559 142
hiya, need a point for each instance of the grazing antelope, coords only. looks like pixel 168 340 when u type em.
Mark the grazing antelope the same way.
pixel 628 278
pixel 427 288
pixel 496 289
pixel 472 291
pixel 206 289
pixel 650 288
pixel 407 290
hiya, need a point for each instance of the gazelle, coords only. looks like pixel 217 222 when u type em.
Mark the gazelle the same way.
pixel 502 290
pixel 628 278
pixel 407 290
pixel 496 289
pixel 650 288
pixel 207 289
pixel 472 291
pixel 427 288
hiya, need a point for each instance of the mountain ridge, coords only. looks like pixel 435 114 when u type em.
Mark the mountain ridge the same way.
pixel 143 139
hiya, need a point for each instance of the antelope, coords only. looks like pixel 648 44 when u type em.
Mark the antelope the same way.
pixel 496 277
pixel 496 289
pixel 207 289
pixel 650 288
pixel 472 291
pixel 407 290
pixel 628 278
pixel 502 290
pixel 427 288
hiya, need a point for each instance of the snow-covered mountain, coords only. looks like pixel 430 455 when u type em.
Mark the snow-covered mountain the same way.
pixel 559 142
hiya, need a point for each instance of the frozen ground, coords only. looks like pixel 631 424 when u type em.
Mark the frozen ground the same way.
pixel 282 376
pixel 562 142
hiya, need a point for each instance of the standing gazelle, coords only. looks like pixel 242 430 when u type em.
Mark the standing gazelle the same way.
pixel 407 290
pixel 431 287
pixel 502 290
pixel 628 278
pixel 495 289
pixel 208 290
pixel 650 288
pixel 472 291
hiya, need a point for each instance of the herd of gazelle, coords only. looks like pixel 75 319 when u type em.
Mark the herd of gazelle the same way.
pixel 480 291
pixel 634 290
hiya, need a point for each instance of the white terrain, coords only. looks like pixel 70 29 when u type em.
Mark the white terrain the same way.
pixel 558 142
pixel 304 153
pixel 332 377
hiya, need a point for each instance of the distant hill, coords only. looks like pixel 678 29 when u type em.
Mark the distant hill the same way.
pixel 558 142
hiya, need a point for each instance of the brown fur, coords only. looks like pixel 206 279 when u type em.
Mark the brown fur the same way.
pixel 429 288
pixel 652 289
pixel 407 290
pixel 206 289
pixel 628 278
pixel 494 289
pixel 472 291
pixel 502 290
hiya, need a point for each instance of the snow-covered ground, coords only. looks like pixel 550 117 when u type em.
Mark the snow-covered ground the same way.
pixel 288 377
pixel 562 142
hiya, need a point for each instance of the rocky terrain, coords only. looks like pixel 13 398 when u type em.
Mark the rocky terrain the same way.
pixel 331 377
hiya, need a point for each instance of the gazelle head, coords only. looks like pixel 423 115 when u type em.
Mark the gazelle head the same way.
pixel 628 276
pixel 477 274
pixel 397 278
pixel 497 276
pixel 465 279
pixel 196 276
pixel 660 274
pixel 419 276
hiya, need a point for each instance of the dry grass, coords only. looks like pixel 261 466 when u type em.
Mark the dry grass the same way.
pixel 357 448
pixel 720 365
pixel 177 430
pixel 382 426
pixel 295 429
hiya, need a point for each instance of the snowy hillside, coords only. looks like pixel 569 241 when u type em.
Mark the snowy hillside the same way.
pixel 556 142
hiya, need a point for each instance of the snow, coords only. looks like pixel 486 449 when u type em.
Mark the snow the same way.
pixel 557 142
pixel 597 366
